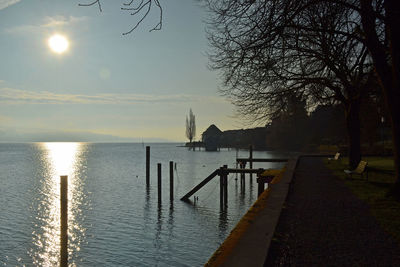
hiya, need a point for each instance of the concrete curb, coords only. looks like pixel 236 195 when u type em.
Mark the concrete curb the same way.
pixel 249 242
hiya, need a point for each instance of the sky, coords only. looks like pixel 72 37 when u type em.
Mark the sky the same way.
pixel 106 86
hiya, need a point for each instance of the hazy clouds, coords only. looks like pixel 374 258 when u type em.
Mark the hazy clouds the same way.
pixel 6 3
pixel 17 96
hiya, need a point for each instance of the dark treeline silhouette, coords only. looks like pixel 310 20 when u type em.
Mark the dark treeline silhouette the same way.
pixel 213 138
pixel 295 129
pixel 326 126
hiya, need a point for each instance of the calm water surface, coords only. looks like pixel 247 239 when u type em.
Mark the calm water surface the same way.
pixel 113 219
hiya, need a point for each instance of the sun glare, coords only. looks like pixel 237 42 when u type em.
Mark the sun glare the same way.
pixel 58 43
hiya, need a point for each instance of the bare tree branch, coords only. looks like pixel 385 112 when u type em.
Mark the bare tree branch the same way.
pixel 91 4
pixel 306 47
pixel 137 8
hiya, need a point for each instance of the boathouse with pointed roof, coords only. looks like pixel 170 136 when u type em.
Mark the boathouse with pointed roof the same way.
pixel 211 138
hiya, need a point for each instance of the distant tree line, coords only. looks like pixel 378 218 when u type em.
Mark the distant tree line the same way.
pixel 297 129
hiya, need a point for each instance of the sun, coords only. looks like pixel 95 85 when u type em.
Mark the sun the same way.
pixel 58 43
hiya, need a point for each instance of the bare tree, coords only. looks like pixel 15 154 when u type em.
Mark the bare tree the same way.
pixel 267 50
pixel 190 126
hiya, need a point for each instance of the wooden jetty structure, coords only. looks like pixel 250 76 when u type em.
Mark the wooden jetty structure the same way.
pixel 223 173
pixel 241 162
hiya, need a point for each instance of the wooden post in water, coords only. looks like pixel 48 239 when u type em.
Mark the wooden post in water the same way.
pixel 260 186
pixel 237 155
pixel 242 176
pixel 225 178
pixel 221 187
pixel 171 180
pixel 64 221
pixel 261 180
pixel 251 162
pixel 159 181
pixel 147 166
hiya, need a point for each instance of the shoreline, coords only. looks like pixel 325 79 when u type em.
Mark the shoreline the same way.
pixel 249 241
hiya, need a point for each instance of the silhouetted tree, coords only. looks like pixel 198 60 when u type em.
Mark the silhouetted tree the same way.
pixel 375 24
pixel 290 130
pixel 268 50
pixel 190 126
pixel 327 125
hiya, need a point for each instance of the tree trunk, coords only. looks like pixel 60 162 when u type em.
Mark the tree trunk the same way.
pixel 391 93
pixel 191 144
pixel 388 70
pixel 353 132
pixel 393 97
pixel 395 118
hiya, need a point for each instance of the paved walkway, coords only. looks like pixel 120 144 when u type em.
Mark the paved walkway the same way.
pixel 324 224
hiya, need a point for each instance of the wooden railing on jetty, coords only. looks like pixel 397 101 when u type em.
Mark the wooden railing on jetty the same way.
pixel 238 160
pixel 223 173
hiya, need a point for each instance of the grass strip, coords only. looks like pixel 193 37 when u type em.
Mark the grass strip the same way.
pixel 374 191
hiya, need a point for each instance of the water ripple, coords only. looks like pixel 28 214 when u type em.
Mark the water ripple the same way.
pixel 113 219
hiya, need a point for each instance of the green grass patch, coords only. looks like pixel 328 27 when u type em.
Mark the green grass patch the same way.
pixel 374 190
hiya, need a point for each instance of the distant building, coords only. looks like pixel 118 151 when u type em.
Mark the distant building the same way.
pixel 211 138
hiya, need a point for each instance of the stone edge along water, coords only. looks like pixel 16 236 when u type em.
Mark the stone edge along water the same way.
pixel 248 243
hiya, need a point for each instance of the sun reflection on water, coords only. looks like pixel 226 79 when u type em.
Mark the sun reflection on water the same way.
pixel 58 159
pixel 62 157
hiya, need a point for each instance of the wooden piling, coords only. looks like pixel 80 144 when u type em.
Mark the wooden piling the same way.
pixel 147 166
pixel 260 187
pixel 242 175
pixel 221 187
pixel 159 181
pixel 251 162
pixel 64 221
pixel 225 178
pixel 171 180
pixel 237 155
pixel 261 180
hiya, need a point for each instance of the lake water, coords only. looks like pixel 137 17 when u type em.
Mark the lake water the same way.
pixel 113 219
